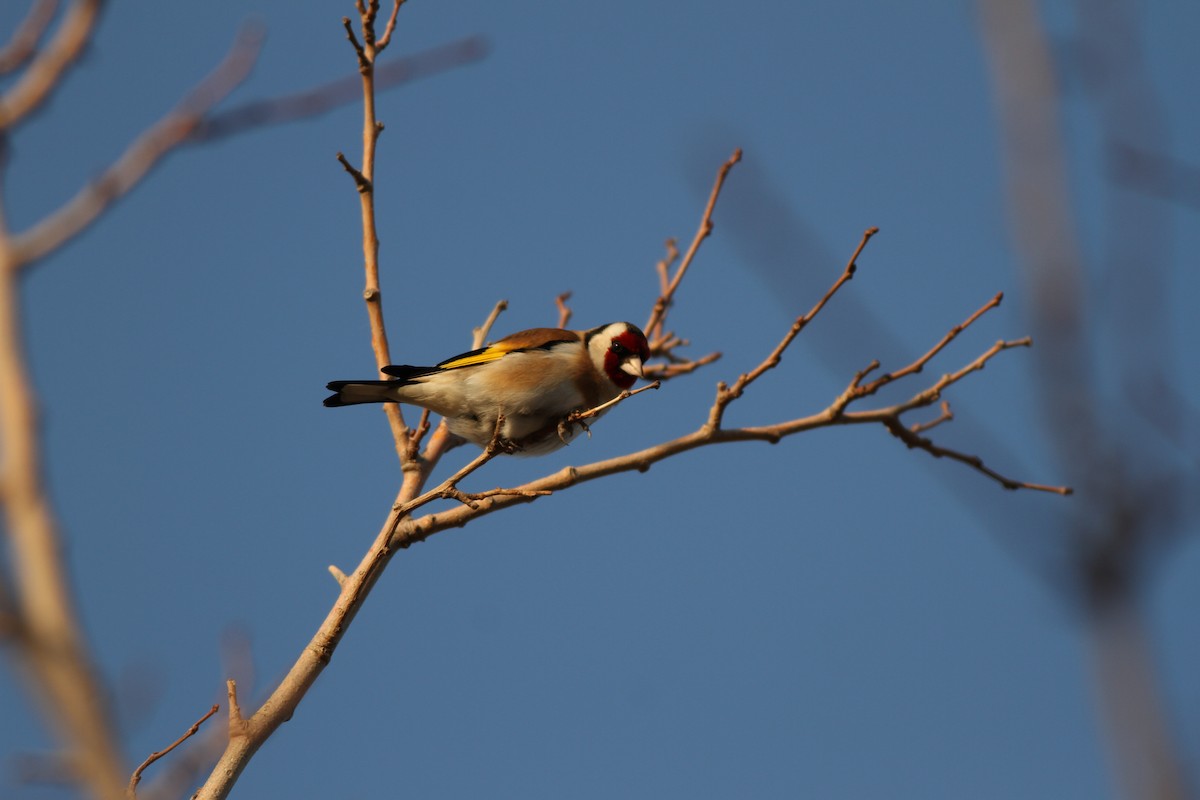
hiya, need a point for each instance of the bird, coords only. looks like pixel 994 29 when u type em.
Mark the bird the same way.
pixel 535 378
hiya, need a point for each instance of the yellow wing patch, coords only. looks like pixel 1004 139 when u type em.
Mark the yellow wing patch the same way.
pixel 495 351
pixel 532 339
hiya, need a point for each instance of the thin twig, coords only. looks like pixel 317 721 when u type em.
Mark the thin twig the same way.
pixel 579 416
pixel 727 394
pixel 364 180
pixel 663 267
pixel 155 756
pixel 480 334
pixel 564 311
pixel 658 315
pixel 945 416
pixel 951 335
pixel 179 775
pixel 664 372
pixel 364 63
pixel 390 28
pixel 360 180
pixel 915 440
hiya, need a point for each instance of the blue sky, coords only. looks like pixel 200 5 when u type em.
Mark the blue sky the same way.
pixel 833 616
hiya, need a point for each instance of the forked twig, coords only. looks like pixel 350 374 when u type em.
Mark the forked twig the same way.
pixel 946 416
pixel 390 28
pixel 727 394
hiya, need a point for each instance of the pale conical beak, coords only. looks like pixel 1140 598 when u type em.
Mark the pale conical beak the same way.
pixel 633 366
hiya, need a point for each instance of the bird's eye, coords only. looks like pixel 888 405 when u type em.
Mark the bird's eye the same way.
pixel 619 348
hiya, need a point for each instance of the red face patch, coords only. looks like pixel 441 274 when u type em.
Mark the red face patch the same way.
pixel 625 345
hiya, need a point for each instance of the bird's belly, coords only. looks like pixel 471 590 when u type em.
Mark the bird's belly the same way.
pixel 532 434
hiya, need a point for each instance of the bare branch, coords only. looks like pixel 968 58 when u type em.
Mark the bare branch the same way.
pixel 141 156
pixel 136 778
pixel 248 734
pixel 472 498
pixel 177 777
pixel 419 529
pixel 23 44
pixel 44 72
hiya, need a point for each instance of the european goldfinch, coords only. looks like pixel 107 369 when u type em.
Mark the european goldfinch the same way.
pixel 535 378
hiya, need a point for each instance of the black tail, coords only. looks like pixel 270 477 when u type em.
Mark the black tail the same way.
pixel 351 393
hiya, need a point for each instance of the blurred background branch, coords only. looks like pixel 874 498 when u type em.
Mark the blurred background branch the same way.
pixel 1106 355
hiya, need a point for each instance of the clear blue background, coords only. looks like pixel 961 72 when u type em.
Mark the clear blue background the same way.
pixel 833 616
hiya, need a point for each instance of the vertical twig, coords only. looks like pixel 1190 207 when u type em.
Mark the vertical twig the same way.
pixel 364 178
pixel 658 315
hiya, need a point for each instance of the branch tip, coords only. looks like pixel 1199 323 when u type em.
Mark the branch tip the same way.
pixel 236 722
pixel 136 778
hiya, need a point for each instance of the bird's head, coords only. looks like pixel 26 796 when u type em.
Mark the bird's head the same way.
pixel 619 350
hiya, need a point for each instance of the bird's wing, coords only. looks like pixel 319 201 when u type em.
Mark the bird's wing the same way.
pixel 533 339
